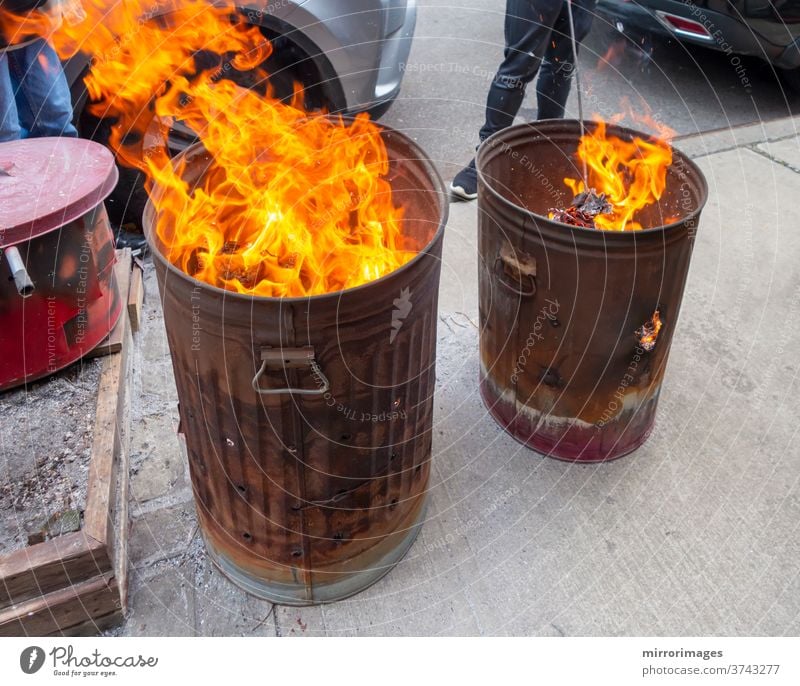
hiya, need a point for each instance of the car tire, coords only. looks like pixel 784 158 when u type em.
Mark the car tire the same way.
pixel 126 203
pixel 377 111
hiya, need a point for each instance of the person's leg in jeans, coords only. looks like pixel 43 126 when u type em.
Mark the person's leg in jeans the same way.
pixel 528 26
pixel 42 94
pixel 555 76
pixel 9 121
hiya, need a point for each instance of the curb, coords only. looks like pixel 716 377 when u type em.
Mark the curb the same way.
pixel 721 140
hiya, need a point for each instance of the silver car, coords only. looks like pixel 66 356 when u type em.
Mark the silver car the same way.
pixel 347 54
pixel 353 49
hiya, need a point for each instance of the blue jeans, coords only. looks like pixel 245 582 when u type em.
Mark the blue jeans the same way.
pixel 537 35
pixel 34 95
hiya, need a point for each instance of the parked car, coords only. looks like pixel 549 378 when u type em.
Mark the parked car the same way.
pixel 347 54
pixel 768 29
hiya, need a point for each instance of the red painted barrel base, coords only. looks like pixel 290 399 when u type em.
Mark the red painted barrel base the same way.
pixel 573 443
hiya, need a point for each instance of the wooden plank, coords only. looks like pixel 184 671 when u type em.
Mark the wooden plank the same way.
pixel 120 552
pixel 98 519
pixel 62 609
pixel 94 626
pixel 119 544
pixel 83 575
pixel 136 296
pixel 45 567
pixel 106 514
pixel 113 342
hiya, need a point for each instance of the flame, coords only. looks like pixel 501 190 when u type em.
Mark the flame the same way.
pixel 632 174
pixel 291 204
pixel 647 334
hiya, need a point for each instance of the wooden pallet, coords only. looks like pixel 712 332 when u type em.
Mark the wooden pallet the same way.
pixel 77 583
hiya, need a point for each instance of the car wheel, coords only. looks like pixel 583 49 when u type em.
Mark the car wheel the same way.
pixel 287 65
pixel 125 205
pixel 377 111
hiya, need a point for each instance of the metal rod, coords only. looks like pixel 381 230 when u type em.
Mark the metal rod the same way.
pixel 576 71
pixel 17 268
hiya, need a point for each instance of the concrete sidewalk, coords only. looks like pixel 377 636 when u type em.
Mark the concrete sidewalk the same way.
pixel 695 533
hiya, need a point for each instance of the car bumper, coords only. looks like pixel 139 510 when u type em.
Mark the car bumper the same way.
pixel 728 34
pixel 358 47
pixel 394 54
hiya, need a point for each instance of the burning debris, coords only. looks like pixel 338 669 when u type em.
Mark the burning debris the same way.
pixel 624 176
pixel 584 208
pixel 647 333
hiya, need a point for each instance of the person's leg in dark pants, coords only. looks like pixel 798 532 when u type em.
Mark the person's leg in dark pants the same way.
pixel 555 76
pixel 527 33
pixel 528 25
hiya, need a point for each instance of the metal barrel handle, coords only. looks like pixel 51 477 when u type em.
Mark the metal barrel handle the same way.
pixel 290 358
pixel 518 265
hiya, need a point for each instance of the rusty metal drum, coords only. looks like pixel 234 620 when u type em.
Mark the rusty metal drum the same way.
pixel 58 293
pixel 563 368
pixel 307 421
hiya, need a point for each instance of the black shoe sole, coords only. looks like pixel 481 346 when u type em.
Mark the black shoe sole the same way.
pixel 461 194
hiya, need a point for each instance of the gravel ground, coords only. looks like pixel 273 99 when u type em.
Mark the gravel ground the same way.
pixel 45 448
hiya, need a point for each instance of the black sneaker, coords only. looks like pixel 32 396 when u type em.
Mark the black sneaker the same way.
pixel 465 184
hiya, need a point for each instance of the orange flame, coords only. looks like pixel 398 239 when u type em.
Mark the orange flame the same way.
pixel 292 204
pixel 632 174
pixel 647 334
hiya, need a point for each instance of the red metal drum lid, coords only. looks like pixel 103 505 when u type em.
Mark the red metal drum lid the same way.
pixel 48 182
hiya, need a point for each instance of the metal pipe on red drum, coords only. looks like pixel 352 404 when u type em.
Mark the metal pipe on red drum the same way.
pixel 18 271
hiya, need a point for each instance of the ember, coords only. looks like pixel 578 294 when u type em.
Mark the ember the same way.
pixel 647 334
pixel 585 207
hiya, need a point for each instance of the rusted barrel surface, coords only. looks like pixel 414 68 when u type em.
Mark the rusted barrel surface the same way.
pixel 562 368
pixel 310 496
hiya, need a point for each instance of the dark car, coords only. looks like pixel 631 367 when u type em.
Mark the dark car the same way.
pixel 759 28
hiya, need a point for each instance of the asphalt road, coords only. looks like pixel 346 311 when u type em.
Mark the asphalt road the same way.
pixel 458 46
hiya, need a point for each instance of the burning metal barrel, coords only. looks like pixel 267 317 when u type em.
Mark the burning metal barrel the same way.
pixel 58 294
pixel 576 323
pixel 307 420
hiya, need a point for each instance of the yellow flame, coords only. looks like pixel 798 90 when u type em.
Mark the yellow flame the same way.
pixel 632 174
pixel 292 204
